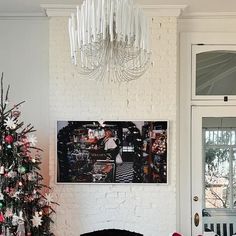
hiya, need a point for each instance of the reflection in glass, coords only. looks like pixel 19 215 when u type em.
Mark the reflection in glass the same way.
pixel 217 178
pixel 219 143
pixel 234 177
pixel 216 73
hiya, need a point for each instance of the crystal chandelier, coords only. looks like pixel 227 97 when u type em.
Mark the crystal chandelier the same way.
pixel 109 40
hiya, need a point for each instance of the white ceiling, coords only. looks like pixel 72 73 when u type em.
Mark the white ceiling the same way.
pixel 32 7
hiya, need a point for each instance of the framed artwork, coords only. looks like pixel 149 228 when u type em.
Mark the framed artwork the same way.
pixel 112 151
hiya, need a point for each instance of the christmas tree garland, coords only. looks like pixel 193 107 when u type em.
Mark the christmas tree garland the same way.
pixel 24 208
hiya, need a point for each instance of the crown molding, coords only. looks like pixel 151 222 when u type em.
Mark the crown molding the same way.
pixel 154 10
pixel 164 10
pixel 22 14
pixel 58 9
pixel 209 15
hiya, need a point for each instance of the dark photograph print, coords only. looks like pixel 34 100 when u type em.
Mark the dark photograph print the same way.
pixel 112 151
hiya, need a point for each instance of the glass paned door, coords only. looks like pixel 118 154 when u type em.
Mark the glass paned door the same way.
pixel 213 170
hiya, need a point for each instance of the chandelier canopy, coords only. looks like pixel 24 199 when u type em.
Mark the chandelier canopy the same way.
pixel 109 40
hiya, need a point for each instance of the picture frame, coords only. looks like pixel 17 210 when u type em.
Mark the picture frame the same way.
pixel 112 151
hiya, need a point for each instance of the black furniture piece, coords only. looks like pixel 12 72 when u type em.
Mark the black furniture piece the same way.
pixel 112 232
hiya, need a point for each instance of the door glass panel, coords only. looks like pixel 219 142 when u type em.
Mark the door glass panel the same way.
pixel 216 178
pixel 219 149
pixel 234 177
pixel 216 72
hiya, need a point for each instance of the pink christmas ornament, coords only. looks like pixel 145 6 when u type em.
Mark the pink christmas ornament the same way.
pixel 9 139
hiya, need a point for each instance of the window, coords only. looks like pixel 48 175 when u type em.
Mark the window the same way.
pixel 220 167
pixel 213 71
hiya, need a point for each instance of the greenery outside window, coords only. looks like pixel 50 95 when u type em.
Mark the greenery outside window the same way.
pixel 220 168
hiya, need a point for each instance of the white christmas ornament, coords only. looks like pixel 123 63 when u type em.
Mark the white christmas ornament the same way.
pixel 14 220
pixel 21 216
pixel 48 198
pixel 1 170
pixel 32 139
pixel 21 227
pixel 37 220
pixel 10 123
pixel 8 212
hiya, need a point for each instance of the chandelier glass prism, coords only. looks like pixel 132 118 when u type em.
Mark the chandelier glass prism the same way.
pixel 109 40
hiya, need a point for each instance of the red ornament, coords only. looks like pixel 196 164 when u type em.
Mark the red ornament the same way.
pixel 9 139
pixel 176 234
pixel 2 219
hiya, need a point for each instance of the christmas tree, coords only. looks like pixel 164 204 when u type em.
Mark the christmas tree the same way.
pixel 25 203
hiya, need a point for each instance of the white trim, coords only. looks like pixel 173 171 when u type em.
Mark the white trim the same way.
pixel 58 9
pixel 21 14
pixel 184 135
pixel 207 25
pixel 23 18
pixel 213 103
pixel 196 168
pixel 164 10
pixel 209 15
pixel 157 10
pixel 186 42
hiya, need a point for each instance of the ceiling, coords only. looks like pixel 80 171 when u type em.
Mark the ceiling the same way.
pixel 32 7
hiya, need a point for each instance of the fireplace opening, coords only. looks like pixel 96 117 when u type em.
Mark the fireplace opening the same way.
pixel 112 232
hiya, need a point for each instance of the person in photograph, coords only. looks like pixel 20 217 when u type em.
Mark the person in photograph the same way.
pixel 111 146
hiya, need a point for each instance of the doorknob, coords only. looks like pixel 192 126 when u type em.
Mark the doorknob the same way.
pixel 195 198
pixel 196 219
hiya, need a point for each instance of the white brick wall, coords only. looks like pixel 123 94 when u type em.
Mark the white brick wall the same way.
pixel 147 209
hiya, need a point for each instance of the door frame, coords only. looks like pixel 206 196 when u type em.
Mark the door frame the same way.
pixel 187 39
